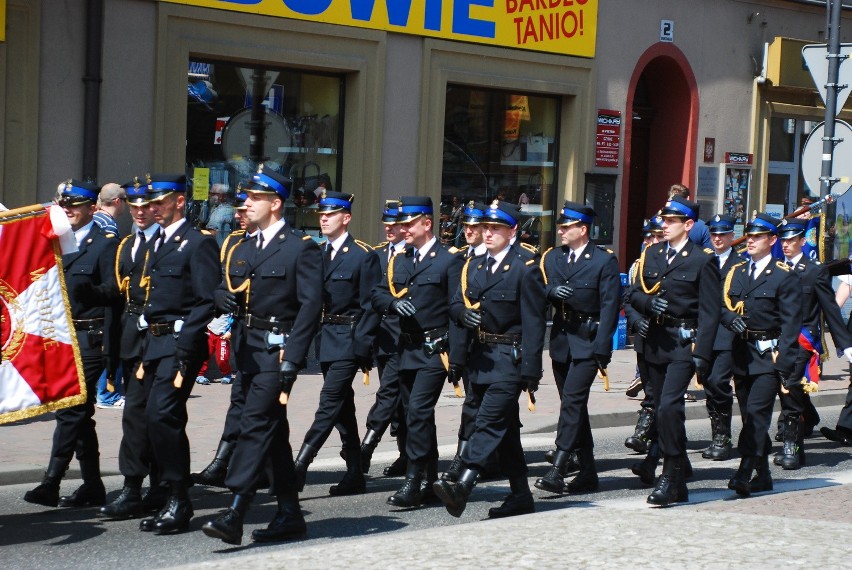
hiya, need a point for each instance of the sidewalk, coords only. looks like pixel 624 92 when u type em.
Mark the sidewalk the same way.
pixel 26 445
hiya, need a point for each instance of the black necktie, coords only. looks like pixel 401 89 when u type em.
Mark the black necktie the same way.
pixel 789 263
pixel 670 254
pixel 141 235
pixel 571 259
pixel 490 268
pixel 752 266
pixel 161 239
pixel 139 245
pixel 416 257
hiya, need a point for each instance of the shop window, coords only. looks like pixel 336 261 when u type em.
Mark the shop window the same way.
pixel 500 145
pixel 301 136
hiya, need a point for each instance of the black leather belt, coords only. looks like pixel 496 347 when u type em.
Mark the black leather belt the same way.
pixel 134 308
pixel 160 329
pixel 339 320
pixel 425 336
pixel 88 324
pixel 489 338
pixel 750 334
pixel 579 317
pixel 271 324
pixel 675 321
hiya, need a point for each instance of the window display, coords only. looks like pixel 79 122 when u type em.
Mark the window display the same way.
pixel 295 127
pixel 500 145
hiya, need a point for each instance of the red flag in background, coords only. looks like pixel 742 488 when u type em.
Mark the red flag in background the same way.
pixel 41 369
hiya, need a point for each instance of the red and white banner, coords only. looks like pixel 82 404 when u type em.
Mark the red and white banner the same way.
pixel 41 369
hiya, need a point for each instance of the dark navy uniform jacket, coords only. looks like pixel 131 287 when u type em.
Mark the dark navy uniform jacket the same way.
pixel 430 287
pixel 286 283
pixel 93 264
pixel 772 302
pixel 597 291
pixel 511 302
pixel 387 336
pixel 349 280
pixel 183 273
pixel 691 285
pixel 724 336
pixel 818 298
pixel 129 278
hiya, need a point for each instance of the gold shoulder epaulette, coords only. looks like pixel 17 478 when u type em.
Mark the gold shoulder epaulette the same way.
pixel 363 245
pixel 530 262
pixel 528 247
pixel 782 265
pixel 109 235
pixel 307 237
pixel 381 245
pixel 708 250
pixel 453 249
pixel 206 232
pixel 237 232
pixel 464 248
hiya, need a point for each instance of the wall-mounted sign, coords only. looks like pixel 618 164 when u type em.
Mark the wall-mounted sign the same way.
pixel 566 27
pixel 709 150
pixel 738 158
pixel 607 138
pixel 667 31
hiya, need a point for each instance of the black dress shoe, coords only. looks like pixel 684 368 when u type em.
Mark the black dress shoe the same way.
pixel 287 525
pixel 147 524
pixel 552 482
pixel 46 494
pixel 397 468
pixel 174 517
pixel 409 495
pixel 86 495
pixel 840 435
pixel 127 505
pixel 228 527
pixel 762 481
pixel 521 504
pixel 351 484
pixel 154 499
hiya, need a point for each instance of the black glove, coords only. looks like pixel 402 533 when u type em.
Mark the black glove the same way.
pixel 110 365
pixel 471 319
pixel 224 301
pixel 789 381
pixel 702 367
pixel 365 363
pixel 561 293
pixel 454 375
pixel 738 325
pixel 603 360
pixel 641 327
pixel 403 308
pixel 184 357
pixel 531 383
pixel 659 305
pixel 287 375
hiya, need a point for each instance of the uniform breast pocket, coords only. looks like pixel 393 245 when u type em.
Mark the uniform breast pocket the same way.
pixel 273 271
pixel 503 295
pixel 681 275
pixel 399 279
pixel 83 269
pixel 237 270
pixel 171 271
pixel 473 293
pixel 768 294
pixel 429 279
pixel 341 276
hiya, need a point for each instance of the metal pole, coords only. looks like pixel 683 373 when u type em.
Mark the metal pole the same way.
pixel 257 125
pixel 829 140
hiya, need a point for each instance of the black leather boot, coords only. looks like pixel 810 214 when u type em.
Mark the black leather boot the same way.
pixel 303 459
pixel 92 492
pixel 427 494
pixel 586 480
pixel 721 448
pixel 214 474
pixel 553 481
pixel 177 513
pixel 228 527
pixel 762 480
pixel 646 469
pixel 794 450
pixel 353 483
pixel 287 524
pixel 409 495
pixel 454 470
pixel 455 495
pixel 368 446
pixel 741 481
pixel 839 434
pixel 640 440
pixel 779 434
pixel 714 420
pixel 671 487
pixel 47 493
pixel 128 504
pixel 155 498
pixel 520 502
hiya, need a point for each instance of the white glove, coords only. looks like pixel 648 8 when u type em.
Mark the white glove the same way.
pixel 847 352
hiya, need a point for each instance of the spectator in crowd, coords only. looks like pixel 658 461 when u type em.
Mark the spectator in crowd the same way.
pixel 221 218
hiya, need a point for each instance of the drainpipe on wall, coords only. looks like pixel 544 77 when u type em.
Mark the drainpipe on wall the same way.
pixel 92 83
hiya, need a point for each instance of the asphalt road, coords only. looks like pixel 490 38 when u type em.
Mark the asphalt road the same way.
pixel 35 537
